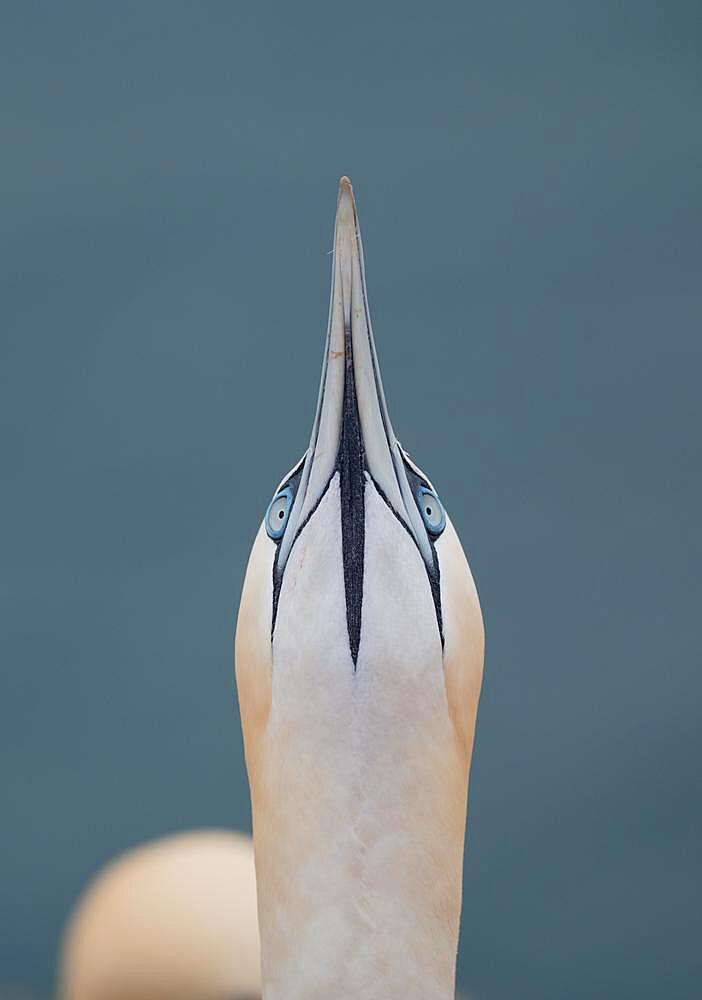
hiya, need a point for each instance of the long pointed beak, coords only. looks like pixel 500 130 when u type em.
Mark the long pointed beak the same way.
pixel 351 405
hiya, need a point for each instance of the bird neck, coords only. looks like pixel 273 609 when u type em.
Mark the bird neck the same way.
pixel 360 915
pixel 359 818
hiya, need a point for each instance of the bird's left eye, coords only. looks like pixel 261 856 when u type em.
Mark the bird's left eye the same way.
pixel 278 513
pixel 431 510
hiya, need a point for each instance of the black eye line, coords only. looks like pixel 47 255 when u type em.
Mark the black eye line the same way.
pixel 293 484
pixel 434 573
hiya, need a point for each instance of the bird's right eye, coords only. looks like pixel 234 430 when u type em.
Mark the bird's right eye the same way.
pixel 278 512
pixel 432 511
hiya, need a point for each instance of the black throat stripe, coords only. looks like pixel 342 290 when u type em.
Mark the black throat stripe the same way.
pixel 351 464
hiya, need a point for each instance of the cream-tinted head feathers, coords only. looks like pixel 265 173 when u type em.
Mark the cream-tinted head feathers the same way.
pixel 172 920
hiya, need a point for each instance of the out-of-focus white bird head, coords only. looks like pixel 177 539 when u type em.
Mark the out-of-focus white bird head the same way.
pixel 174 919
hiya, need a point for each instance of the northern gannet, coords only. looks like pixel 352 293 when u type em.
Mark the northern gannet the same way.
pixel 359 658
pixel 174 919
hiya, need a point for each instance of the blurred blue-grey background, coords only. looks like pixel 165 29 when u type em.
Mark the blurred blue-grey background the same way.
pixel 529 179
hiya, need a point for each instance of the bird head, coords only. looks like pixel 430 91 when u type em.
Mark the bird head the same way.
pixel 356 518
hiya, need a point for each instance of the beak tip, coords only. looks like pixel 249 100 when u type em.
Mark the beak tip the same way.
pixel 345 194
pixel 345 211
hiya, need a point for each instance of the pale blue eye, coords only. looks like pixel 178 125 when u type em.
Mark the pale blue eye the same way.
pixel 431 510
pixel 278 512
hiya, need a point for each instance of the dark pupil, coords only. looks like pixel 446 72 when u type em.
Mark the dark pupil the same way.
pixel 429 511
pixel 281 513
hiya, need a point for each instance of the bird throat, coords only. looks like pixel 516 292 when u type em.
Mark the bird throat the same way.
pixel 351 465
